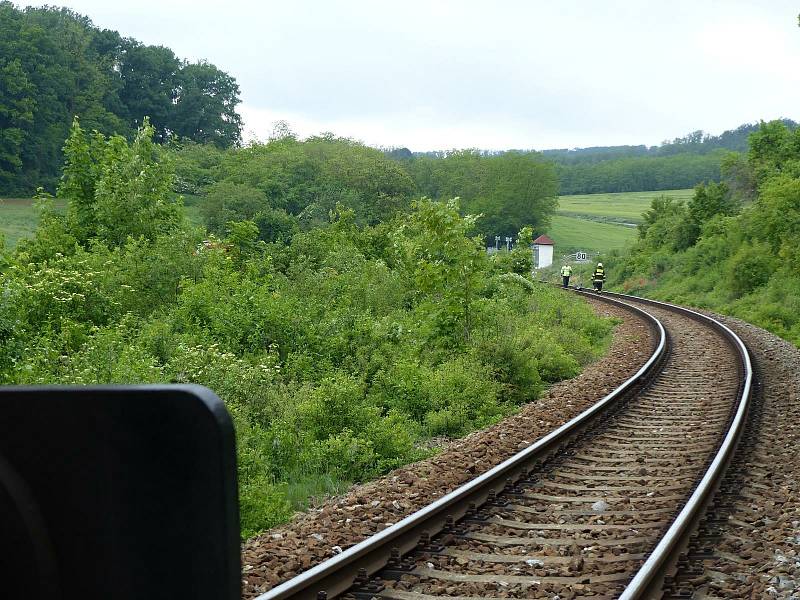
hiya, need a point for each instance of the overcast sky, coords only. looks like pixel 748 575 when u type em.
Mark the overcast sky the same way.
pixel 495 75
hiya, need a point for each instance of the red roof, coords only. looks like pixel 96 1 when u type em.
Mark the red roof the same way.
pixel 543 240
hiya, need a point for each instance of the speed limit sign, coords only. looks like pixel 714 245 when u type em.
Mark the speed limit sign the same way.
pixel 580 256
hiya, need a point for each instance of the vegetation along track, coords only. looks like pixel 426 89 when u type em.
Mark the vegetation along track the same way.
pixel 598 508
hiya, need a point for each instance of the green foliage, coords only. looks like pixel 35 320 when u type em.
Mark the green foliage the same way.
pixel 511 190
pixel 684 162
pixel 115 190
pixel 447 266
pixel 80 288
pixel 15 117
pixel 243 240
pixel 226 201
pixel 709 201
pixel 751 267
pixel 195 166
pixel 286 185
pixel 518 190
pixel 205 106
pixel 309 178
pixel 55 65
pixel 640 173
pixel 465 398
pixel 774 150
pixel 776 218
pixel 276 225
pixel 134 198
pixel 741 261
pixel 520 259
pixel 339 349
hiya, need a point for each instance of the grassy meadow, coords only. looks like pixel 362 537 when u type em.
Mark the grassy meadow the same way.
pixel 602 222
pixel 626 207
pixel 574 233
pixel 18 219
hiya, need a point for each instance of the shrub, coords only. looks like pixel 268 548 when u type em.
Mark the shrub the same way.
pixel 226 201
pixel 749 268
pixel 463 397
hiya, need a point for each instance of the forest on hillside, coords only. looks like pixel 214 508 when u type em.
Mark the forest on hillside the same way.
pixel 56 65
pixel 733 247
pixel 678 164
pixel 682 163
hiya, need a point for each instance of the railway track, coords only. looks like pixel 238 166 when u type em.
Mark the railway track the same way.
pixel 600 507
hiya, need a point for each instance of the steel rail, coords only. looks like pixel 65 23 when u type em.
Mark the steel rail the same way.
pixel 649 579
pixel 337 574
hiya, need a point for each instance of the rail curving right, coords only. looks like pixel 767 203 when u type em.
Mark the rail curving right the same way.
pixel 353 571
pixel 649 580
pixel 352 566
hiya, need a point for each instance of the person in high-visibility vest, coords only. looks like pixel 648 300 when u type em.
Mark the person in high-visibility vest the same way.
pixel 566 271
pixel 598 277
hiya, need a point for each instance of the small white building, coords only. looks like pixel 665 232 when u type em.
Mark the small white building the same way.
pixel 542 252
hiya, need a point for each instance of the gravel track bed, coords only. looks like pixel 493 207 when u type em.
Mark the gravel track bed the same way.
pixel 750 545
pixel 338 523
pixel 599 524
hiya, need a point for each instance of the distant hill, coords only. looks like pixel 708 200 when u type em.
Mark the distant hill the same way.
pixel 682 163
pixel 697 142
pixel 678 164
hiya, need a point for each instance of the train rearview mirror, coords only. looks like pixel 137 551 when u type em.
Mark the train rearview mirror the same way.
pixel 121 492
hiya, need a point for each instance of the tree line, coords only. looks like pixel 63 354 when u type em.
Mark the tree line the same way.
pixel 287 185
pixel 677 164
pixel 640 173
pixel 55 65
pixel 696 142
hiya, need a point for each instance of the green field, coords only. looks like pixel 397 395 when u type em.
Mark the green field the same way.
pixel 602 222
pixel 626 207
pixel 591 222
pixel 573 233
pixel 18 219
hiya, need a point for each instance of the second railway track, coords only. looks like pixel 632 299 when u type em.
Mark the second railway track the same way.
pixel 579 512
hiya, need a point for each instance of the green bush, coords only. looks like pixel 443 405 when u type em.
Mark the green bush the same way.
pixel 338 350
pixel 405 387
pixel 751 267
pixel 510 357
